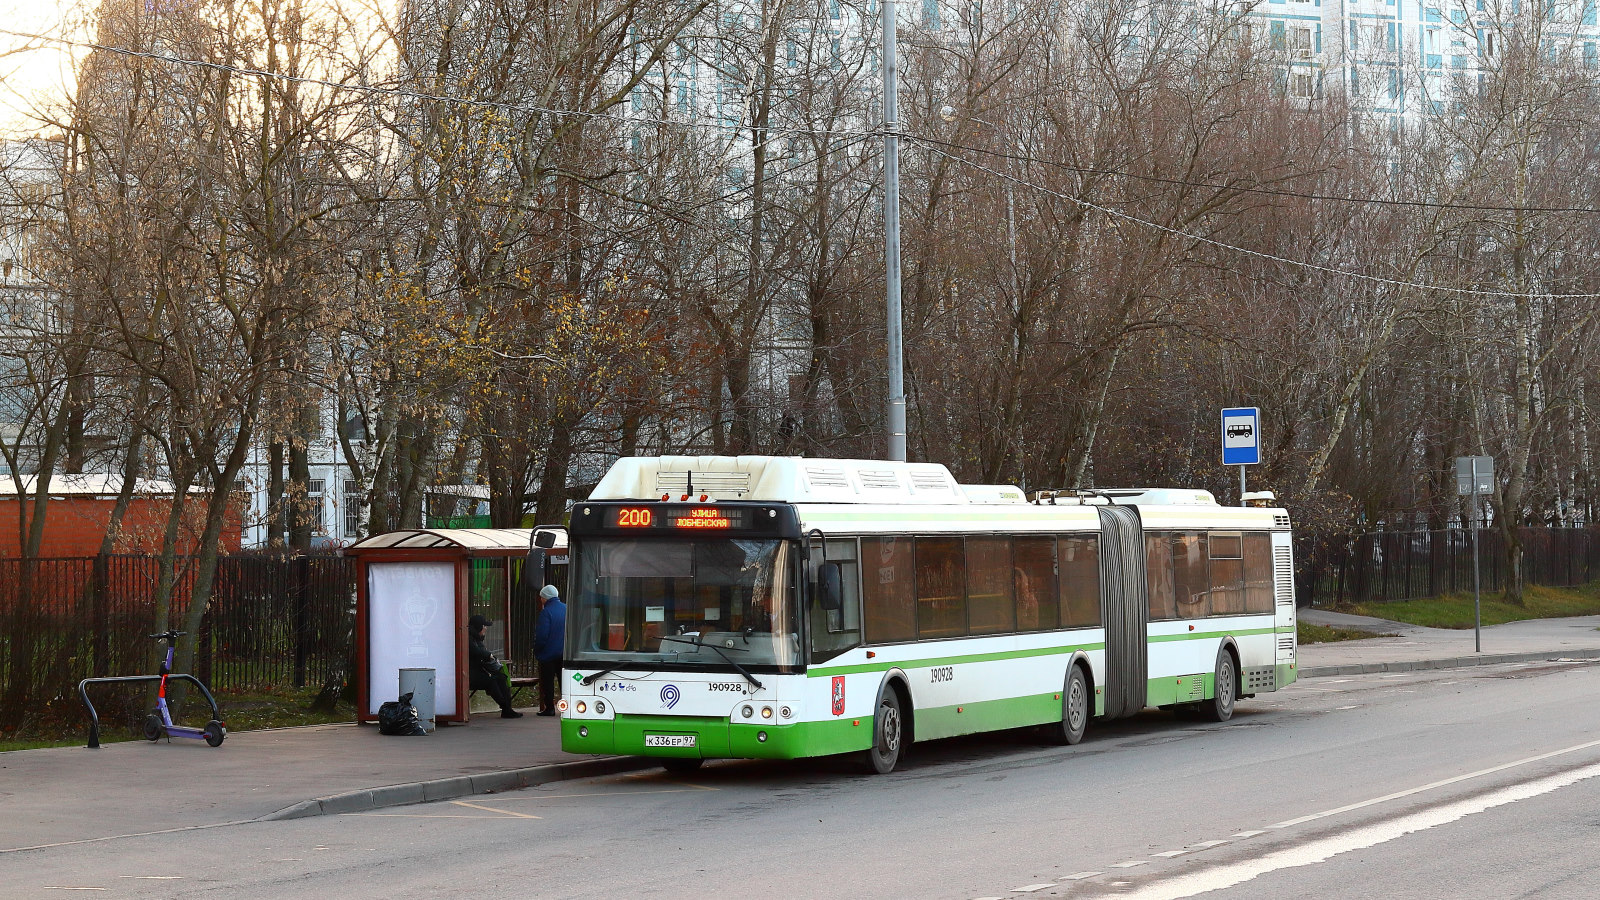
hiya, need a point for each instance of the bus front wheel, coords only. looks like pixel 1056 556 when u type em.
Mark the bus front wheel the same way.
pixel 1220 708
pixel 887 734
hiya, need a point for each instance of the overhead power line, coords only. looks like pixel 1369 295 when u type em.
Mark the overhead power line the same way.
pixel 1247 189
pixel 1178 232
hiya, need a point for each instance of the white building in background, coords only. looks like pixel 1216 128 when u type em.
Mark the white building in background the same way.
pixel 1399 58
pixel 27 178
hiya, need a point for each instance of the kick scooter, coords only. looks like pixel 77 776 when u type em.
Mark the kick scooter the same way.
pixel 159 722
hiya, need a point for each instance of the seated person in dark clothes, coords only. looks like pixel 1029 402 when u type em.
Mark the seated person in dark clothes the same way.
pixel 485 669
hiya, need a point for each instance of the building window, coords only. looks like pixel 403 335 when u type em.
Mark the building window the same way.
pixel 313 513
pixel 1303 85
pixel 352 511
pixel 1300 41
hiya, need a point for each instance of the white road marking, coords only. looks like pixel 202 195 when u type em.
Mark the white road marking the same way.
pixel 1247 834
pixel 153 877
pixel 1436 784
pixel 1128 864
pixel 1346 707
pixel 1206 845
pixel 118 837
pixel 536 796
pixel 1028 889
pixel 1322 850
pixel 1079 876
pixel 419 816
pixel 58 887
pixel 515 815
pixel 1168 854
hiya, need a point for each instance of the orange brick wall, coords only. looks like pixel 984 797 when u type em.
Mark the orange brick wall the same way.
pixel 74 526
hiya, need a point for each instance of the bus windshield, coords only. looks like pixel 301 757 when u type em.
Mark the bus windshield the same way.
pixel 692 602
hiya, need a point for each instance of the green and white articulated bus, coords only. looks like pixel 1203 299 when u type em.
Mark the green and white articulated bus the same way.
pixel 776 607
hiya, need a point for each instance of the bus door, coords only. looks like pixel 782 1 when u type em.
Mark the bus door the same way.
pixel 1124 609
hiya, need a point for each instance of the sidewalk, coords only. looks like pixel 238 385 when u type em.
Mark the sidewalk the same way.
pixel 69 794
pixel 73 794
pixel 1413 647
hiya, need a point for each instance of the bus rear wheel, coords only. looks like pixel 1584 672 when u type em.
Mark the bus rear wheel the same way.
pixel 1220 707
pixel 1074 710
pixel 887 734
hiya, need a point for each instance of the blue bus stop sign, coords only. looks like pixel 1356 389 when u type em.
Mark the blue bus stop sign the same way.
pixel 1241 436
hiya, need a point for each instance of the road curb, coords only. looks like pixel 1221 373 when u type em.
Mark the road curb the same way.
pixel 1452 662
pixel 456 786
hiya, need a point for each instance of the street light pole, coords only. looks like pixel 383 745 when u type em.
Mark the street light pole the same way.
pixel 891 237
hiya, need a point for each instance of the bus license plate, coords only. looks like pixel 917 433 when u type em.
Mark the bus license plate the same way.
pixel 670 740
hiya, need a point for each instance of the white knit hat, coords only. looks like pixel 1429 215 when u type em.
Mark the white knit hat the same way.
pixel 549 592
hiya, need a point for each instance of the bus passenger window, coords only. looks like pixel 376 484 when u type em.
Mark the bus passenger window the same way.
pixel 941 588
pixel 1191 583
pixel 1158 568
pixel 990 607
pixel 1080 580
pixel 1033 563
pixel 1226 551
pixel 1258 577
pixel 887 589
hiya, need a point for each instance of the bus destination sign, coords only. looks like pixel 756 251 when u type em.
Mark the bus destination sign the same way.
pixel 674 517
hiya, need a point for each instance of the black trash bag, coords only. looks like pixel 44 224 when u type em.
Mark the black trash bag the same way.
pixel 399 717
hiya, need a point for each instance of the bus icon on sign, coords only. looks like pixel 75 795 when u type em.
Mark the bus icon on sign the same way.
pixel 1240 431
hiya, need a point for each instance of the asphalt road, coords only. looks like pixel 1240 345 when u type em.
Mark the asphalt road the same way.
pixel 1479 782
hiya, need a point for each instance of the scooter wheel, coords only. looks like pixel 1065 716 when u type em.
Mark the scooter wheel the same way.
pixel 152 728
pixel 215 733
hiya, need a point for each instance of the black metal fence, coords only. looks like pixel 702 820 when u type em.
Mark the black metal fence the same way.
pixel 272 622
pixel 1403 565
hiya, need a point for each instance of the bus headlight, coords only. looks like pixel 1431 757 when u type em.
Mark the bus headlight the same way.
pixel 582 707
pixel 600 707
pixel 766 712
pixel 583 731
pixel 761 737
pixel 786 712
pixel 747 712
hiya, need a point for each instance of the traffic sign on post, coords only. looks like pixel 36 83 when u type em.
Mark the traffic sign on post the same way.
pixel 1474 468
pixel 1475 478
pixel 1241 436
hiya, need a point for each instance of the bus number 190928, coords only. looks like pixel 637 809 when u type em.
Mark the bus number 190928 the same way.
pixel 944 673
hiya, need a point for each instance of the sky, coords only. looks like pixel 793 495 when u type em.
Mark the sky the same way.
pixel 29 76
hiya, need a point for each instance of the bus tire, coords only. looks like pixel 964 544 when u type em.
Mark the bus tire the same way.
pixel 888 734
pixel 682 765
pixel 1075 710
pixel 1220 707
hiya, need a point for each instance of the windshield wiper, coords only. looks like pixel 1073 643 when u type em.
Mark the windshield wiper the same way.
pixel 696 641
pixel 591 679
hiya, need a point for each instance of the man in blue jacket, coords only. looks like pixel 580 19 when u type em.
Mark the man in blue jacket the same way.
pixel 549 638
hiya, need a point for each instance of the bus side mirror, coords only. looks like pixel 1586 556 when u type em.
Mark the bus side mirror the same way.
pixel 830 594
pixel 544 540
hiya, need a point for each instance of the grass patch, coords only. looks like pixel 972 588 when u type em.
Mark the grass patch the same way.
pixel 1455 610
pixel 1323 634
pixel 247 710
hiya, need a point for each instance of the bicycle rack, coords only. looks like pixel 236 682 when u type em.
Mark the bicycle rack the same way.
pixel 94 717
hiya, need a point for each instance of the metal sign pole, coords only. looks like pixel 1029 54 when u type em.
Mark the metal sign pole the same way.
pixel 896 438
pixel 1477 614
pixel 1241 485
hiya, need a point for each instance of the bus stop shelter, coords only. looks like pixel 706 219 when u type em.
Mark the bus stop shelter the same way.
pixel 418 587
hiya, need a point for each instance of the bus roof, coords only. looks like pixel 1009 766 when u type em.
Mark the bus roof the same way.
pixel 792 479
pixel 798 479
